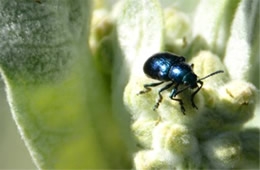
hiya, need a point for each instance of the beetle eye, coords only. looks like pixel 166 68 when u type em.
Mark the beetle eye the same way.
pixel 194 86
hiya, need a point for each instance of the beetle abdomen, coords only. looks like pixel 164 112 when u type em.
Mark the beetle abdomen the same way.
pixel 158 66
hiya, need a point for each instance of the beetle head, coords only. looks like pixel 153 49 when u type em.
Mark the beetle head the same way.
pixel 190 79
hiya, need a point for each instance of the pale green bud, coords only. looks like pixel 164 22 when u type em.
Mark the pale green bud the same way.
pixel 250 148
pixel 204 64
pixel 155 159
pixel 177 30
pixel 101 25
pixel 142 129
pixel 224 151
pixel 237 101
pixel 101 40
pixel 174 137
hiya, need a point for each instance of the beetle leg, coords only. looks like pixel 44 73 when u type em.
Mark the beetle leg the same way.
pixel 174 90
pixel 194 93
pixel 160 96
pixel 178 100
pixel 192 66
pixel 147 87
pixel 181 104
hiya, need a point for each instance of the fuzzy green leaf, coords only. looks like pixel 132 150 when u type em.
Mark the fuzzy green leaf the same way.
pixel 242 53
pixel 140 29
pixel 213 21
pixel 53 87
pixel 140 34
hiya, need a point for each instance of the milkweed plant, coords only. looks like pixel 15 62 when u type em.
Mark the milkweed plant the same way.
pixel 73 68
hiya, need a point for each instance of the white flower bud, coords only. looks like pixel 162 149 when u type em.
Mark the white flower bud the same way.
pixel 237 101
pixel 224 151
pixel 155 159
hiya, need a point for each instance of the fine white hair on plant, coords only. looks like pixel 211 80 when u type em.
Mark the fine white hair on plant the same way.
pixel 203 138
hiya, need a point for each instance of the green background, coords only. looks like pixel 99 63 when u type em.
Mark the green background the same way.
pixel 13 152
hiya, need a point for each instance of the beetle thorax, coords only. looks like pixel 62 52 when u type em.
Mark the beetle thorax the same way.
pixel 180 72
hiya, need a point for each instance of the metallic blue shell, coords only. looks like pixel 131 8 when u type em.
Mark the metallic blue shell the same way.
pixel 159 65
pixel 178 72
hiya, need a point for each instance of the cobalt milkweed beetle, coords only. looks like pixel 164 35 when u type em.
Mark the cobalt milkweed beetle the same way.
pixel 168 67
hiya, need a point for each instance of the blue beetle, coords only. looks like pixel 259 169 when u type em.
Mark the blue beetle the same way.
pixel 168 67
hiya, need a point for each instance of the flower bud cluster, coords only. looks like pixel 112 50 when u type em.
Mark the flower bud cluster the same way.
pixel 208 137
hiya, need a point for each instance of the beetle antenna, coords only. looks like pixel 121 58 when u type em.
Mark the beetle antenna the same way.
pixel 216 72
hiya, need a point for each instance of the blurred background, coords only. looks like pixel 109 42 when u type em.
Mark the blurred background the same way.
pixel 13 153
